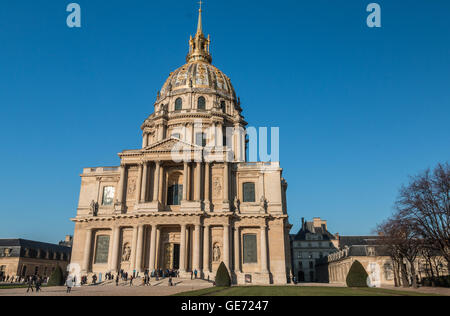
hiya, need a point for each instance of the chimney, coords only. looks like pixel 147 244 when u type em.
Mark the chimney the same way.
pixel 303 223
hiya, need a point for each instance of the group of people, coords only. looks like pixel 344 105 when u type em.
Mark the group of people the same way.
pixel 33 281
pixel 36 282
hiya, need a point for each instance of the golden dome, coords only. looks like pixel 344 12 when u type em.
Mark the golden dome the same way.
pixel 201 77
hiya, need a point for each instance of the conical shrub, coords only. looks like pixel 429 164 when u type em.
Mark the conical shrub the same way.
pixel 222 276
pixel 357 276
pixel 57 277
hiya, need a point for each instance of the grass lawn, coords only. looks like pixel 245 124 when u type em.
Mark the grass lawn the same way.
pixel 16 286
pixel 296 291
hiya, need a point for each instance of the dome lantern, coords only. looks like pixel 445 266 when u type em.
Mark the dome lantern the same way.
pixel 199 45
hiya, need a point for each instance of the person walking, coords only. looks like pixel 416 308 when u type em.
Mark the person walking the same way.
pixel 195 273
pixel 30 284
pixel 117 280
pixel 131 280
pixel 38 284
pixel 69 284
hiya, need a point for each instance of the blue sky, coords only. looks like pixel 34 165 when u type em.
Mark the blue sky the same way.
pixel 359 109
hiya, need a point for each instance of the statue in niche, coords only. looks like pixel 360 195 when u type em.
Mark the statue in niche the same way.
pixel 263 203
pixel 237 205
pixel 126 253
pixel 216 253
pixel 94 208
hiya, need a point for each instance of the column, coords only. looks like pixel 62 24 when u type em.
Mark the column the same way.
pixel 121 188
pixel 196 261
pixel 198 180
pixel 219 140
pixel 226 245
pixel 87 250
pixel 192 133
pixel 161 183
pixel 144 183
pixel 237 250
pixel 226 174
pixel 206 249
pixel 188 190
pixel 139 248
pixel 139 184
pixel 133 249
pixel 207 183
pixel 115 249
pixel 185 182
pixel 157 257
pixel 151 263
pixel 156 181
pixel 264 250
pixel 183 248
pixel 145 141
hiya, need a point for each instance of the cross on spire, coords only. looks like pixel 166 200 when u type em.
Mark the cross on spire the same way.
pixel 200 27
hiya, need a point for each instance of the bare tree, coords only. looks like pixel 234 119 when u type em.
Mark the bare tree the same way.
pixel 425 203
pixel 399 237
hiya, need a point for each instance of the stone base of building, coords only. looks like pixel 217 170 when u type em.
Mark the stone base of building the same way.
pixel 252 278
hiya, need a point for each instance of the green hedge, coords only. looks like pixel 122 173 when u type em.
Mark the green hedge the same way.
pixel 443 281
pixel 357 276
pixel 57 278
pixel 222 276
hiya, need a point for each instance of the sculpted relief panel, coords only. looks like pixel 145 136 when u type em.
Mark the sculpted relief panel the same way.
pixel 217 184
pixel 132 184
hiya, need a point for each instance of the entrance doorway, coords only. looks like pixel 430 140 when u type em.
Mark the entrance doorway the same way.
pixel 176 256
pixel 301 276
pixel 172 256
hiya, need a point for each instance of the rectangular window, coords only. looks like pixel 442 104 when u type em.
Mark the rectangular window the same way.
pixel 102 249
pixel 200 139
pixel 108 196
pixel 249 192
pixel 250 249
pixel 176 135
pixel 175 194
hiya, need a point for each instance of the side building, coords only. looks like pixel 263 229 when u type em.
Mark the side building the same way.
pixel 19 257
pixel 365 249
pixel 311 243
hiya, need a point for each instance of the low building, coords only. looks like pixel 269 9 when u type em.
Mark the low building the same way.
pixel 311 243
pixel 19 257
pixel 365 249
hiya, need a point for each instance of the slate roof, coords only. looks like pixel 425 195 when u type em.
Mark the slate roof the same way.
pixel 348 241
pixel 19 245
pixel 310 229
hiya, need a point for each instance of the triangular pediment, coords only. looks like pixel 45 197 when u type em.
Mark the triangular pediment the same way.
pixel 171 144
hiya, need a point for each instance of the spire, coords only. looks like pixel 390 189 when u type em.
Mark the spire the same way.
pixel 199 26
pixel 199 45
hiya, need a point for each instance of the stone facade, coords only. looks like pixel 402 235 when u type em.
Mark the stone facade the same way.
pixel 187 200
pixel 19 257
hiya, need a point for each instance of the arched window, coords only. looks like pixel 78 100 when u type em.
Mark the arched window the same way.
pixel 178 104
pixel 201 103
pixel 249 192
pixel 223 106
